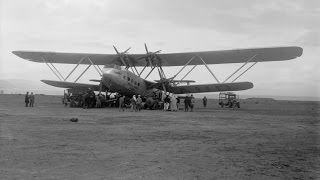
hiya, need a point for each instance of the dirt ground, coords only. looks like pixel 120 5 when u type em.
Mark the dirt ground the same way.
pixel 261 140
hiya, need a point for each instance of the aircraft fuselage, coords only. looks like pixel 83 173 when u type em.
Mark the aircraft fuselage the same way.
pixel 123 81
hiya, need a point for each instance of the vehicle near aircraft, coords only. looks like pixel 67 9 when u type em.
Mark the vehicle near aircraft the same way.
pixel 120 74
pixel 229 99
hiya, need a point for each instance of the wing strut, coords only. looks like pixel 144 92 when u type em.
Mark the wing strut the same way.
pixel 240 68
pixel 100 73
pixel 186 74
pixel 183 67
pixel 74 68
pixel 59 75
pixel 82 73
pixel 245 71
pixel 209 69
pixel 52 69
pixel 150 72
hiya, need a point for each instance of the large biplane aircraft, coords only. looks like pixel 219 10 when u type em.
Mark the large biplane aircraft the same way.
pixel 120 74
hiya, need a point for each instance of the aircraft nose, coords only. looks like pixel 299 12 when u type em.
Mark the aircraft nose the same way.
pixel 105 73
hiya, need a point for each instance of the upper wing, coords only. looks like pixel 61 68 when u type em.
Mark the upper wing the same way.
pixel 235 86
pixel 172 59
pixel 71 85
pixel 67 58
pixel 233 56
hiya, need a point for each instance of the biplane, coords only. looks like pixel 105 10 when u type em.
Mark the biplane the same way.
pixel 119 73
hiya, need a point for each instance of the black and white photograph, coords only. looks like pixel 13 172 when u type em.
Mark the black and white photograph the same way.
pixel 159 89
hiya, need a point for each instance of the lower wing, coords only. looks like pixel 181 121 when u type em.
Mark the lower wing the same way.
pixel 236 86
pixel 71 85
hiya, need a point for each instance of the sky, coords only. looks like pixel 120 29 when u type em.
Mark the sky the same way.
pixel 94 26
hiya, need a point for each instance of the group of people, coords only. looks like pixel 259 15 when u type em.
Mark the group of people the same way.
pixel 86 100
pixel 171 102
pixel 135 103
pixel 189 102
pixel 29 99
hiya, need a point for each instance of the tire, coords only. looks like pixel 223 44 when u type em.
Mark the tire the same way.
pixel 149 103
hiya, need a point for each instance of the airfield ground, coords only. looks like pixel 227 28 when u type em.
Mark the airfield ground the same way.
pixel 261 140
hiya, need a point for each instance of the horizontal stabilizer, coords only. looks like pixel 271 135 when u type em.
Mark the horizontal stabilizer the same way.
pixel 95 80
pixel 235 86
pixel 71 85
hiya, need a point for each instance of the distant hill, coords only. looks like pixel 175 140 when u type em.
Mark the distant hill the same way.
pixel 19 86
pixel 244 96
pixel 260 99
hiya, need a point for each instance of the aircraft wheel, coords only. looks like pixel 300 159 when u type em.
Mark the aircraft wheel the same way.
pixel 149 103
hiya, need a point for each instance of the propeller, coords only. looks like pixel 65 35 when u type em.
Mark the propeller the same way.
pixel 150 57
pixel 123 56
pixel 164 83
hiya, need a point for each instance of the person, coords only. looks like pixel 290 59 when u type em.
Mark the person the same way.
pixel 31 100
pixel 83 100
pixel 186 103
pixel 121 103
pixel 139 103
pixel 133 103
pixel 204 100
pixel 26 99
pixel 191 102
pixel 65 101
pixel 98 101
pixel 173 104
pixel 166 103
pixel 178 102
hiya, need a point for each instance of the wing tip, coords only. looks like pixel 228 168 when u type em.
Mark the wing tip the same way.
pixel 17 53
pixel 299 51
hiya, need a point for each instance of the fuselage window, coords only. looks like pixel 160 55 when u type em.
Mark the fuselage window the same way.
pixel 135 83
pixel 128 79
pixel 138 84
pixel 124 77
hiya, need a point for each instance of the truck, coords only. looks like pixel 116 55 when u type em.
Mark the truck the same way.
pixel 229 99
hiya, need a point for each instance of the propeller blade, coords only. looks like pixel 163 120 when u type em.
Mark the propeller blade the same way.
pixel 157 51
pixel 145 45
pixel 150 62
pixel 127 50
pixel 123 61
pixel 116 50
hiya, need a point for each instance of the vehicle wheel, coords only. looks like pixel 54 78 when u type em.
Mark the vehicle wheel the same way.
pixel 230 105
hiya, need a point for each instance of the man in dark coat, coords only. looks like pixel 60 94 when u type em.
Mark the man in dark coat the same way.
pixel 186 104
pixel 204 100
pixel 26 99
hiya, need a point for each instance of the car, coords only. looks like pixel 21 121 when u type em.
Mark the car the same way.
pixel 229 99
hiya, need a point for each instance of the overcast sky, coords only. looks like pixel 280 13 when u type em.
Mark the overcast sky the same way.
pixel 93 26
